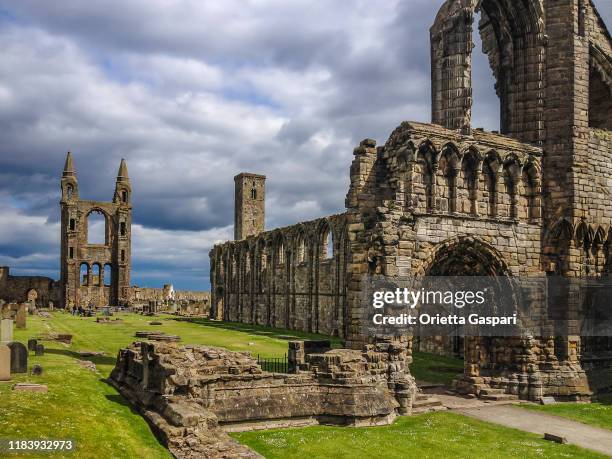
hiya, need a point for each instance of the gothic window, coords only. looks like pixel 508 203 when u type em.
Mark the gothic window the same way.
pixel 96 227
pixel 328 245
pixel 107 275
pixel 72 224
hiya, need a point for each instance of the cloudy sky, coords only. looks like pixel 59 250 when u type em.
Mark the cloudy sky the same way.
pixel 192 92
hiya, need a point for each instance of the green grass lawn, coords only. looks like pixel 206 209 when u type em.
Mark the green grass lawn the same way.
pixel 434 368
pixel 81 406
pixel 597 413
pixel 433 435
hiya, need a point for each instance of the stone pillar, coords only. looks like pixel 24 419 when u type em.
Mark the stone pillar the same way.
pixel 5 363
pixel 6 331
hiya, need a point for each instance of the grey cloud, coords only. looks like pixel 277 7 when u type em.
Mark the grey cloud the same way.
pixel 191 93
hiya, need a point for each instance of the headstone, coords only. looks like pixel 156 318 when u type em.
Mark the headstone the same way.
pixel 6 331
pixel 19 357
pixel 5 363
pixel 21 316
pixel 548 400
pixel 40 350
pixel 37 370
pixel 32 345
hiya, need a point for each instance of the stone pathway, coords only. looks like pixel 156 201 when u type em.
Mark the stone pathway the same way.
pixel 579 434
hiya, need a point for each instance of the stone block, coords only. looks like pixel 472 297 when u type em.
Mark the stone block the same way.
pixel 29 387
pixel 20 320
pixel 6 331
pixel 5 363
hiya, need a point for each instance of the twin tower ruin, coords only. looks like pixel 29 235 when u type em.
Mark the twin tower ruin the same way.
pixel 95 273
pixel 446 199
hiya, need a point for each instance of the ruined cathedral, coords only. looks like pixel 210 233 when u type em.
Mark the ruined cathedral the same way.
pixel 95 274
pixel 447 199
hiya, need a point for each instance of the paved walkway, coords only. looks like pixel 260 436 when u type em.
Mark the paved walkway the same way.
pixel 577 433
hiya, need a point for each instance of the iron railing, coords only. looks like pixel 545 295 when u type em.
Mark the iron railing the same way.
pixel 273 364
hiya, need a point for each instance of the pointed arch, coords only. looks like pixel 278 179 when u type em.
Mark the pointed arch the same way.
pixel 448 168
pixel 490 172
pixel 470 178
pixel 427 166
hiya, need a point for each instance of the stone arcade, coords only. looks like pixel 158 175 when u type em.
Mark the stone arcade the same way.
pixel 447 199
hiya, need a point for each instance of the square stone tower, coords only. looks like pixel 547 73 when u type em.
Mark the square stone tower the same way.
pixel 249 205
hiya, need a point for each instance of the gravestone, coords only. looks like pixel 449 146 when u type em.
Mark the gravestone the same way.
pixel 40 350
pixel 5 363
pixel 6 331
pixel 19 357
pixel 20 321
pixel 548 401
pixel 32 345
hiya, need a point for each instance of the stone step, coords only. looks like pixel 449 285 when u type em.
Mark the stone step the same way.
pixel 426 402
pixel 491 391
pixel 498 397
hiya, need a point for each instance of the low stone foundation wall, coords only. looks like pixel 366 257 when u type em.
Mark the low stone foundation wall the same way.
pixel 192 395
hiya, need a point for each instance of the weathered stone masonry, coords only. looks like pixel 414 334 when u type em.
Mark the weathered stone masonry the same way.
pixel 447 199
pixel 76 251
pixel 193 395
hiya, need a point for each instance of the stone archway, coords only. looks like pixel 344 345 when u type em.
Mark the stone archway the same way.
pixel 464 257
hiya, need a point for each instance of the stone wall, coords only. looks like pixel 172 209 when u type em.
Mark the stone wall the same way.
pixel 193 395
pixel 292 277
pixel 24 289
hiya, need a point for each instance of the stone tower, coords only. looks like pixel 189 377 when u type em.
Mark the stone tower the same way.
pixel 95 274
pixel 249 205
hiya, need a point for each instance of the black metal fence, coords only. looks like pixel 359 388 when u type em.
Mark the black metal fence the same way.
pixel 273 364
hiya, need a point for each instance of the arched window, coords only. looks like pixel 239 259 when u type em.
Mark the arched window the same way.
pixel 469 171
pixel 122 256
pixel 96 228
pixel 300 249
pixel 449 166
pixel 84 274
pixel 486 106
pixel 72 224
pixel 490 168
pixel 69 191
pixel 95 274
pixel 122 229
pixel 328 245
pixel 107 275
pixel 427 161
pixel 511 177
pixel 124 196
pixel 253 192
pixel 280 254
pixel 528 198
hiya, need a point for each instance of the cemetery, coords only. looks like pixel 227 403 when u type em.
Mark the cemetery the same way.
pixel 61 377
